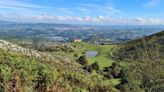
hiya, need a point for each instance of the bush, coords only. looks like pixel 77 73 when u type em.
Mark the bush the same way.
pixel 115 64
pixel 95 66
pixel 108 76
pixel 107 69
pixel 116 71
pixel 88 68
pixel 82 60
pixel 113 71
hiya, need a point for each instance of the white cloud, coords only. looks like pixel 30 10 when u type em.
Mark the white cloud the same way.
pixel 152 3
pixel 101 20
pixel 149 21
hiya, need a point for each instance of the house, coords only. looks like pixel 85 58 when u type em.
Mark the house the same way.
pixel 77 40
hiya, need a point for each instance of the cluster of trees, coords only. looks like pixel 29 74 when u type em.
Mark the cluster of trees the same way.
pixel 89 67
pixel 113 71
pixel 146 76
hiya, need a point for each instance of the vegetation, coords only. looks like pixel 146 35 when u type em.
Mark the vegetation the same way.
pixel 134 66
pixel 82 60
pixel 143 63
pixel 102 58
pixel 148 48
pixel 22 73
pixel 95 66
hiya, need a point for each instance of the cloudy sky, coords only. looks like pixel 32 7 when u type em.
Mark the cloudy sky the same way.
pixel 103 12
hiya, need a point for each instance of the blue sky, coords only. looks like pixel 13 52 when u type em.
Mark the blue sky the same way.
pixel 105 12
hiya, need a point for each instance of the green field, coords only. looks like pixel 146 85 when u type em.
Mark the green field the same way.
pixel 101 58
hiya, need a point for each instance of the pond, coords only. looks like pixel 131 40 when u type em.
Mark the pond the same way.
pixel 91 53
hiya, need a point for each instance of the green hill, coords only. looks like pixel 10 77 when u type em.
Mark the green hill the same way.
pixel 27 70
pixel 149 48
pixel 142 61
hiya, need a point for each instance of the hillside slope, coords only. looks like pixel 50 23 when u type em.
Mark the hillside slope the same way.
pixel 149 48
pixel 142 61
pixel 30 52
pixel 25 70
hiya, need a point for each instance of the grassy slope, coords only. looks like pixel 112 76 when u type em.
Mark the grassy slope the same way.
pixel 147 38
pixel 149 46
pixel 101 58
pixel 54 72
pixel 27 68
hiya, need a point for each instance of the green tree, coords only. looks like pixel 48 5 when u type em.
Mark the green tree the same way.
pixel 82 60
pixel 88 68
pixel 116 69
pixel 95 66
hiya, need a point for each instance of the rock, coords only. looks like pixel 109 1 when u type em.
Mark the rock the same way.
pixel 29 52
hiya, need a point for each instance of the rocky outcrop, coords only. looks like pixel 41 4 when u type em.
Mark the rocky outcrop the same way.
pixel 29 52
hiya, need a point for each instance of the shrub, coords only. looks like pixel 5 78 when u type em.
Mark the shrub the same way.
pixel 82 60
pixel 108 76
pixel 95 66
pixel 116 71
pixel 88 68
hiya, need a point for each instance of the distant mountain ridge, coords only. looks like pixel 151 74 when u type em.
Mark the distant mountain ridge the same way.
pixel 3 21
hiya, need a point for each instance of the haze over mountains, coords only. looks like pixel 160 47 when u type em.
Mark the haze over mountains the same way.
pixel 68 32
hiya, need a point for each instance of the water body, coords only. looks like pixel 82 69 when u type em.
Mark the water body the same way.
pixel 91 53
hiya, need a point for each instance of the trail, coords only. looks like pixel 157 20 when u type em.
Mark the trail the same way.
pixel 111 53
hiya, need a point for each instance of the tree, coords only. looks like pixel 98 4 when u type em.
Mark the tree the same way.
pixel 88 68
pixel 115 64
pixel 82 60
pixel 95 66
pixel 116 71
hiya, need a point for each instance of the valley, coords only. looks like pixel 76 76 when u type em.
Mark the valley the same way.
pixel 81 45
pixel 80 65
